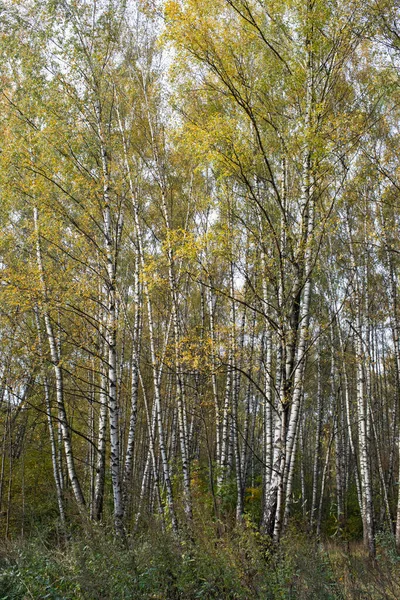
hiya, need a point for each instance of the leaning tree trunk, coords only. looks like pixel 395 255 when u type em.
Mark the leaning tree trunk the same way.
pixel 53 443
pixel 55 359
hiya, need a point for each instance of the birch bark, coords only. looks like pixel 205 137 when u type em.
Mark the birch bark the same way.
pixel 56 361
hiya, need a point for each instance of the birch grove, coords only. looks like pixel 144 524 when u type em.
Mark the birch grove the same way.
pixel 199 265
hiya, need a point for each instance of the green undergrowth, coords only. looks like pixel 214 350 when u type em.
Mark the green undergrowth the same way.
pixel 240 564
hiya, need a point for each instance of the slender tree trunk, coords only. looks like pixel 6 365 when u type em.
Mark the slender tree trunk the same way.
pixel 323 482
pixel 214 374
pixel 101 448
pixel 53 443
pixel 130 446
pixel 317 447
pixel 55 359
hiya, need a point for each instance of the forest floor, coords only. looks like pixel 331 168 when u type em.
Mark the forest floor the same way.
pixel 239 565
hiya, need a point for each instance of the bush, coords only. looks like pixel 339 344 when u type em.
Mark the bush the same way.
pixel 237 565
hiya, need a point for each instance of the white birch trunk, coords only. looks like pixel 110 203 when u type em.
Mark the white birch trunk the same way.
pixel 130 446
pixel 55 359
pixel 317 447
pixel 53 443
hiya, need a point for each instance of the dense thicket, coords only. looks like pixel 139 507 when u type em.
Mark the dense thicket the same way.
pixel 199 250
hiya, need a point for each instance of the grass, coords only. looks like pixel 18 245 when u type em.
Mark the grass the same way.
pixel 241 564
